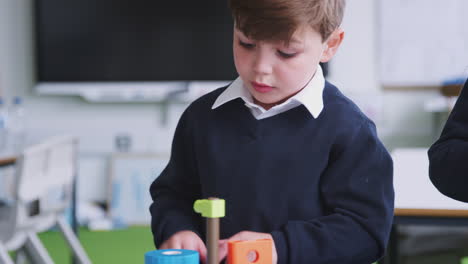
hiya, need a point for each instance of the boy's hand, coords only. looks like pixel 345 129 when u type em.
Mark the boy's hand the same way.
pixel 186 240
pixel 246 235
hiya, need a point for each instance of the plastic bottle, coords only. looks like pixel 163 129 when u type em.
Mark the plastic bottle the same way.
pixel 16 125
pixel 3 125
pixel 4 191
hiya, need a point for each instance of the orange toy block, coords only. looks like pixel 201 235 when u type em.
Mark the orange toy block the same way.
pixel 250 252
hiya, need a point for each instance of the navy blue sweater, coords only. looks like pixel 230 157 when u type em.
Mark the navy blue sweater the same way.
pixel 322 187
pixel 448 156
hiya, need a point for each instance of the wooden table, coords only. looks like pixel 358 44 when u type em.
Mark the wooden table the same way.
pixel 7 160
pixel 415 195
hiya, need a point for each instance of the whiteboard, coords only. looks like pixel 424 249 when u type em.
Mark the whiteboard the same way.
pixel 423 42
pixel 130 180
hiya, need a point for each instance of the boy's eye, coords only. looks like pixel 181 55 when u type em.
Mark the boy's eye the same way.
pixel 286 55
pixel 246 45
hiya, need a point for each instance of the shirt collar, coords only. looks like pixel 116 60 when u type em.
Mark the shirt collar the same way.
pixel 310 96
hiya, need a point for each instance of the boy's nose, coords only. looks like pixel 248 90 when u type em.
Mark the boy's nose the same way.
pixel 262 64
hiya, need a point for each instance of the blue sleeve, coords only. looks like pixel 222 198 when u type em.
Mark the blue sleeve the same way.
pixel 358 198
pixel 176 189
pixel 448 157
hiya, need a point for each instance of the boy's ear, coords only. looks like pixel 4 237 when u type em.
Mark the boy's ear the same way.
pixel 332 45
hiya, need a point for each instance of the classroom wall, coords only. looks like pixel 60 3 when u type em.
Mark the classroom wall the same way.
pixel 399 114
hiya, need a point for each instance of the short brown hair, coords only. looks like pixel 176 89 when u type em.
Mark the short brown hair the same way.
pixel 279 19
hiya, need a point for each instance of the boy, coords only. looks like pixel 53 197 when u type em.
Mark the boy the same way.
pixel 295 160
pixel 449 154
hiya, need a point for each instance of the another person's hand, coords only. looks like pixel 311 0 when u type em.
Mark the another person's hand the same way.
pixel 186 240
pixel 246 235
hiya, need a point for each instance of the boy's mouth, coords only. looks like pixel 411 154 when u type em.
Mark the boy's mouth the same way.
pixel 261 88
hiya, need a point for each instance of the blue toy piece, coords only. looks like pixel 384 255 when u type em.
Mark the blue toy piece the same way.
pixel 172 256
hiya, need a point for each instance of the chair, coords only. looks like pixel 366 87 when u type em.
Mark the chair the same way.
pixel 44 180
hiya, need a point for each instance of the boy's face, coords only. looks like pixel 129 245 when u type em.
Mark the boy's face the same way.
pixel 274 71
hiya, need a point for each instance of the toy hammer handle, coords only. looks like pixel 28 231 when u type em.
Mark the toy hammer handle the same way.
pixel 212 227
pixel 213 209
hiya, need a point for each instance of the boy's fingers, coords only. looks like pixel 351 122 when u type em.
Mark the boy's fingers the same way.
pixel 170 245
pixel 195 244
pixel 202 251
pixel 162 246
pixel 248 235
pixel 235 237
pixel 222 249
pixel 244 235
pixel 222 252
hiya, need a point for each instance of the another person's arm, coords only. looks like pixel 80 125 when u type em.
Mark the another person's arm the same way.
pixel 448 156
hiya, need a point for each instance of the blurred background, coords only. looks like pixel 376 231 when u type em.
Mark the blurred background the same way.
pixel 116 75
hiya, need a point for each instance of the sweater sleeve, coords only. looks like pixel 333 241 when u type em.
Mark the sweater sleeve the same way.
pixel 358 200
pixel 449 155
pixel 176 189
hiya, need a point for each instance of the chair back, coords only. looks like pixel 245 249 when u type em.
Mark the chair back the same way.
pixel 45 175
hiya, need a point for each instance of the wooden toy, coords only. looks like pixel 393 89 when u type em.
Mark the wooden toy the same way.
pixel 239 252
pixel 172 256
pixel 213 209
pixel 250 252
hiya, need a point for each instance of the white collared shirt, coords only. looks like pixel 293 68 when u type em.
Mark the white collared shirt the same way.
pixel 310 97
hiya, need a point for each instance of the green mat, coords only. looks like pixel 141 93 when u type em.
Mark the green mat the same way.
pixel 103 247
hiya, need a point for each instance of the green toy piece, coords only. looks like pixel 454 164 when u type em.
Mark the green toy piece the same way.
pixel 210 208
